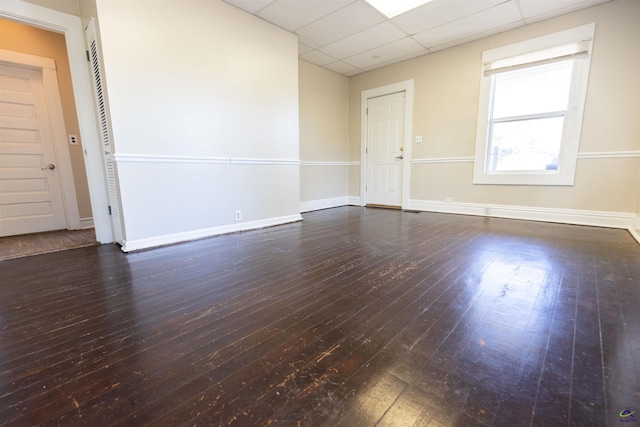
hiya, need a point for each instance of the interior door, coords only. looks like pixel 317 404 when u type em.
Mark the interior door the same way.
pixel 30 195
pixel 385 136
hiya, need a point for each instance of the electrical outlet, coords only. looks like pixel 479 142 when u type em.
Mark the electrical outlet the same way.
pixel 238 215
pixel 73 140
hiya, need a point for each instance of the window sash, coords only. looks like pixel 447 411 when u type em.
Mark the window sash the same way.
pixel 548 115
pixel 490 170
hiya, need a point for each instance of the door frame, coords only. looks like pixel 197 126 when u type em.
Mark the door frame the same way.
pixel 403 86
pixel 71 27
pixel 62 156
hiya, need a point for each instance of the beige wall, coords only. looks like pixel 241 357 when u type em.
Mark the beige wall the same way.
pixel 324 132
pixel 34 41
pixel 445 112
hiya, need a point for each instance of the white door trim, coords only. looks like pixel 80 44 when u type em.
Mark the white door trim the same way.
pixel 58 131
pixel 71 27
pixel 406 87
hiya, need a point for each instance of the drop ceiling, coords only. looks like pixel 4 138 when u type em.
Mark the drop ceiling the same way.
pixel 351 37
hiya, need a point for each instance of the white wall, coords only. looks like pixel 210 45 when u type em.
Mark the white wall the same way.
pixel 324 137
pixel 204 108
pixel 445 111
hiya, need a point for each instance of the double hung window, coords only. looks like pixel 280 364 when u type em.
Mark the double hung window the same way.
pixel 530 112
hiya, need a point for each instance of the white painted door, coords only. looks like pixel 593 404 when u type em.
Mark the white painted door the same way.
pixel 385 136
pixel 30 195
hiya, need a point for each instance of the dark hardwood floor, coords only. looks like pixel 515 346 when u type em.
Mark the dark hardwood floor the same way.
pixel 353 317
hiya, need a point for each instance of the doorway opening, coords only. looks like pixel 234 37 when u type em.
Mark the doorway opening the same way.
pixel 37 179
pixel 71 27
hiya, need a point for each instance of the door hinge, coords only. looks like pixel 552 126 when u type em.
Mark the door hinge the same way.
pixel 366 111
pixel 88 56
pixel 109 210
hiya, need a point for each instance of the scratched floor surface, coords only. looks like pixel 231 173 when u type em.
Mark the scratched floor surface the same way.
pixel 353 317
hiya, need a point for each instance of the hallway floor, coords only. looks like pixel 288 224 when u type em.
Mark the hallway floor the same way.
pixel 12 247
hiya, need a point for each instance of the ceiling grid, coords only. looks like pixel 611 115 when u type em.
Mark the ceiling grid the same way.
pixel 350 36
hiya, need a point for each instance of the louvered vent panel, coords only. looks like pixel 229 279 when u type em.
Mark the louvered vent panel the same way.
pixel 105 135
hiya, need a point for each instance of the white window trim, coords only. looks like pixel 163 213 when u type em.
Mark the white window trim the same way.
pixel 565 174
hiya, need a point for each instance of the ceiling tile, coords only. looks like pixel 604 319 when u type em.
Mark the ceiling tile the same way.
pixel 302 48
pixel 292 15
pixel 341 67
pixel 342 23
pixel 473 37
pixel 368 39
pixel 440 12
pixel 421 52
pixel 385 53
pixel 543 9
pixel 318 58
pixel 251 6
pixel 472 25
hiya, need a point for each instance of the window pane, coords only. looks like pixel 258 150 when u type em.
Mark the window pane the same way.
pixel 533 90
pixel 526 145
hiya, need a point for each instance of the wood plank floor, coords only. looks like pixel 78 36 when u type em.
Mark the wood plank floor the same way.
pixel 353 317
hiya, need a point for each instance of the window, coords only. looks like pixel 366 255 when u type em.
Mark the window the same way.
pixel 531 106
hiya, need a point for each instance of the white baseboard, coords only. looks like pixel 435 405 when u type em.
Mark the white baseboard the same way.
pixel 315 205
pixel 354 201
pixel 447 207
pixel 134 245
pixel 635 229
pixel 86 223
pixel 622 220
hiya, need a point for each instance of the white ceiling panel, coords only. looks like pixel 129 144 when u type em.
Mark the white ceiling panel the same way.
pixel 440 12
pixel 342 23
pixel 476 24
pixel 350 36
pixel 317 57
pixel 385 53
pixel 368 39
pixel 251 6
pixel 293 14
pixel 537 8
pixel 397 60
pixel 473 37
pixel 342 67
pixel 302 48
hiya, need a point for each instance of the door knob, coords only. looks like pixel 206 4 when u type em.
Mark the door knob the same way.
pixel 400 157
pixel 50 167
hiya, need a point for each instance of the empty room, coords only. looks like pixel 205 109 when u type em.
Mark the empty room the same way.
pixel 319 212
